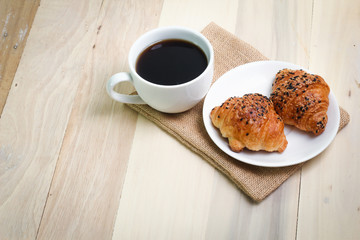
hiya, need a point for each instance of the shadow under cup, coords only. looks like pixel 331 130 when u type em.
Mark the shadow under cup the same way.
pixel 172 98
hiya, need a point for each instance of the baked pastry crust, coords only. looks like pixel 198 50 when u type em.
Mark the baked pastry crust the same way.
pixel 301 99
pixel 250 121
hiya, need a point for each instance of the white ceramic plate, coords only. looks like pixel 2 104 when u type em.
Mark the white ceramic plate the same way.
pixel 257 77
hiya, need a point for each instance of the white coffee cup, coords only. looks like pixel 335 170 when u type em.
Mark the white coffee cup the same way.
pixel 165 98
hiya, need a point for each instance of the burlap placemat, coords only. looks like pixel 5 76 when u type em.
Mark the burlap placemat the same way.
pixel 188 128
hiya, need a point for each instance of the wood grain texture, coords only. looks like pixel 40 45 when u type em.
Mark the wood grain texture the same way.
pixel 198 14
pixel 281 30
pixel 164 204
pixel 168 196
pixel 329 205
pixel 76 165
pixel 258 24
pixel 93 161
pixel 234 216
pixel 16 18
pixel 35 116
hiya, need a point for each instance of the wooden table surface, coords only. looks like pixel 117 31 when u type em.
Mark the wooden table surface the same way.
pixel 76 165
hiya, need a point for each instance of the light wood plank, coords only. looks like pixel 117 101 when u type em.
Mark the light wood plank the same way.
pixel 36 113
pixel 66 149
pixel 16 18
pixel 198 14
pixel 168 188
pixel 281 30
pixel 330 198
pixel 224 196
pixel 275 217
pixel 233 215
pixel 92 164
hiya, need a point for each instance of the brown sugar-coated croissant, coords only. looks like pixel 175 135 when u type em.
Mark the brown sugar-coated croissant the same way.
pixel 301 99
pixel 250 121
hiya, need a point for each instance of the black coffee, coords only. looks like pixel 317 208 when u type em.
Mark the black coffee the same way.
pixel 171 62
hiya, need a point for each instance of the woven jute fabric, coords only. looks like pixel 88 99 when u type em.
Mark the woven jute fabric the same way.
pixel 188 127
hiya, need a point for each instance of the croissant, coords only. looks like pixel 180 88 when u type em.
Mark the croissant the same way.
pixel 301 99
pixel 250 121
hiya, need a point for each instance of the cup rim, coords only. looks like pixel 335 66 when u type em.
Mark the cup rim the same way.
pixel 159 29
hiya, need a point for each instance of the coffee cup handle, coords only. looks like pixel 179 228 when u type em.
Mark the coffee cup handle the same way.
pixel 116 79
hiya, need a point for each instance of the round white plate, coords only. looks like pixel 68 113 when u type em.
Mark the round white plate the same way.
pixel 257 77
